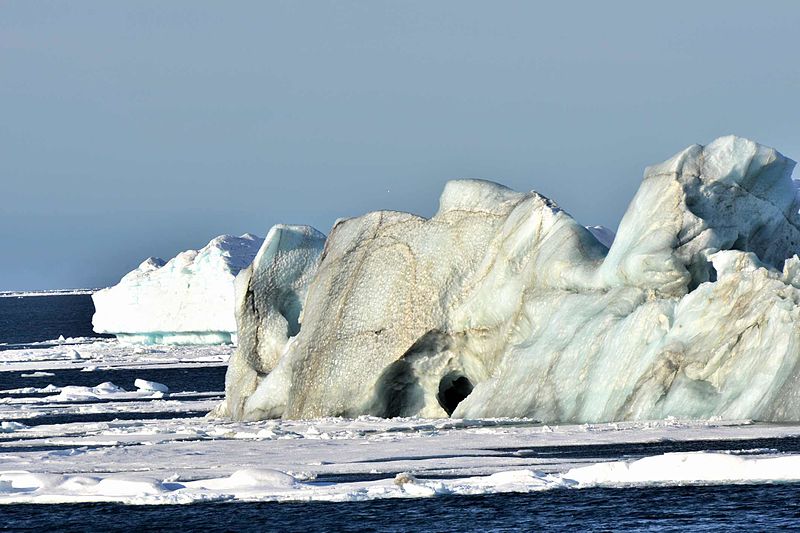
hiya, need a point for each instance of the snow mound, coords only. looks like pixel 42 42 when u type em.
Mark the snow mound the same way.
pixel 503 305
pixel 187 300
pixel 151 386
pixel 697 467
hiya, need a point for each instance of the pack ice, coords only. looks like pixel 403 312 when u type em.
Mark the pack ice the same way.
pixel 503 305
pixel 188 300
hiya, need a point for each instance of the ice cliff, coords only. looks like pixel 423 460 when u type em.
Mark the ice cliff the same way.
pixel 503 305
pixel 188 300
pixel 269 300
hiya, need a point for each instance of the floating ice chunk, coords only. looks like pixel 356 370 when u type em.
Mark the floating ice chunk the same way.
pixel 72 393
pixel 38 374
pixel 11 427
pixel 32 390
pixel 188 300
pixel 144 385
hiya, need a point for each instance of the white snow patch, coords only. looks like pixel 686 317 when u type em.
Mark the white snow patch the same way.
pixel 37 375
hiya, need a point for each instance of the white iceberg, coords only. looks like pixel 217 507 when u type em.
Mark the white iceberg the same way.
pixel 188 300
pixel 503 305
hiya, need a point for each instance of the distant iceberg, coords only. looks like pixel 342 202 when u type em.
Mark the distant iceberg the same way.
pixel 187 300
pixel 602 234
pixel 503 305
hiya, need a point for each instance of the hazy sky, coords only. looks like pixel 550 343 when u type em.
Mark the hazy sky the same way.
pixel 130 129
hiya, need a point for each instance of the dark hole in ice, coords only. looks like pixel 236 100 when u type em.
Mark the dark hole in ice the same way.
pixel 289 306
pixel 399 393
pixel 453 388
pixel 701 272
pixel 712 272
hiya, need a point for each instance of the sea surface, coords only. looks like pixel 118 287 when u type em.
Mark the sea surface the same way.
pixel 688 508
pixel 26 319
pixel 769 507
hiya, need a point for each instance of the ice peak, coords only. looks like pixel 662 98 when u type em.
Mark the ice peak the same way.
pixel 476 195
pixel 151 263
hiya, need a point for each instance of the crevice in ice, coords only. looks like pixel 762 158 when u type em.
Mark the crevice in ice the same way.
pixel 289 308
pixel 701 272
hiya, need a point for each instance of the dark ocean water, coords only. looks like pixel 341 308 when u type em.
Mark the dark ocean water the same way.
pixel 197 379
pixel 687 508
pixel 41 318
pixel 771 507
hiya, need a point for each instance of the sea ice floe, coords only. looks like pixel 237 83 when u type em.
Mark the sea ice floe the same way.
pixel 108 390
pixel 273 485
pixel 41 359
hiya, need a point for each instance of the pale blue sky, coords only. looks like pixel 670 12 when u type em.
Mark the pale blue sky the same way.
pixel 130 129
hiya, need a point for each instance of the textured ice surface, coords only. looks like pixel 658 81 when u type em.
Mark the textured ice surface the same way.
pixel 503 305
pixel 188 300
pixel 269 296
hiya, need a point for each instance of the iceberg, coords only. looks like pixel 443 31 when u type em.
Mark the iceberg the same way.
pixel 503 305
pixel 187 300
pixel 603 234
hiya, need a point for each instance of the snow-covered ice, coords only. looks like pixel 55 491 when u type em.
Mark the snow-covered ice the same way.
pixel 187 300
pixel 503 305
pixel 261 484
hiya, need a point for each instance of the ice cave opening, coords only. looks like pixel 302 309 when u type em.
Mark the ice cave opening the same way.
pixel 453 389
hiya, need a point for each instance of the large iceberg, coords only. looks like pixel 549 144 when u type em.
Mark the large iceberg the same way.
pixel 503 305
pixel 188 300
